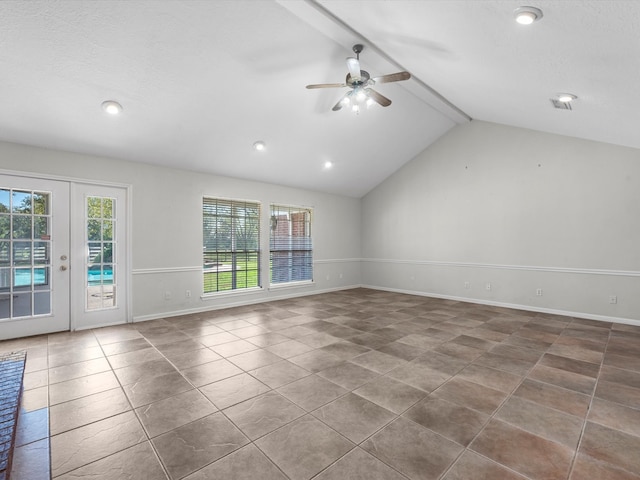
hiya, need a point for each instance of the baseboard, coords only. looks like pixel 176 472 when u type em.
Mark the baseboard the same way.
pixel 101 325
pixel 272 298
pixel 586 316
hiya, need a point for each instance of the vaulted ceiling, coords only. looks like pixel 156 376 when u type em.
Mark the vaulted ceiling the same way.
pixel 201 81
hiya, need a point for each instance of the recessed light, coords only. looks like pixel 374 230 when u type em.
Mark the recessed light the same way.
pixel 259 145
pixel 527 15
pixel 328 165
pixel 112 107
pixel 566 97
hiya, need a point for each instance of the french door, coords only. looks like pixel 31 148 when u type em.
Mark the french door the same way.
pixel 62 256
pixel 98 245
pixel 34 256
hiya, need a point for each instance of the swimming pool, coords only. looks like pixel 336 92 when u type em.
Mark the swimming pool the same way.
pixel 22 277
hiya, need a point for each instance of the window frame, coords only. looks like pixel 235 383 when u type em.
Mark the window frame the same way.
pixel 294 271
pixel 241 252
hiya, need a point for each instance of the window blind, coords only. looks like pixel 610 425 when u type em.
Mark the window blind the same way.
pixel 290 245
pixel 231 244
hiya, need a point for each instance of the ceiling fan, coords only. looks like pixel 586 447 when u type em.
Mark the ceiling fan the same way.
pixel 360 82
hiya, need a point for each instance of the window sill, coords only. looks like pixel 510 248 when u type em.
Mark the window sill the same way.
pixel 304 283
pixel 231 293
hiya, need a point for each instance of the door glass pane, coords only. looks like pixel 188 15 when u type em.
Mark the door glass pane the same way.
pixel 108 272
pixel 22 305
pixel 94 232
pixel 5 280
pixel 5 305
pixel 25 253
pixel 22 253
pixel 21 278
pixel 5 226
pixel 5 259
pixel 107 230
pixel 41 302
pixel 5 200
pixel 21 202
pixel 94 207
pixel 109 296
pixel 22 226
pixel 107 208
pixel 93 275
pixel 100 245
pixel 41 253
pixel 108 252
pixel 41 228
pixel 95 249
pixel 41 278
pixel 40 203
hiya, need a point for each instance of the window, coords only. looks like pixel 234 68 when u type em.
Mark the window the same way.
pixel 291 253
pixel 100 245
pixel 231 244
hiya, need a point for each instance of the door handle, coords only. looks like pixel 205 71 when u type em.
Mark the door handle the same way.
pixel 63 267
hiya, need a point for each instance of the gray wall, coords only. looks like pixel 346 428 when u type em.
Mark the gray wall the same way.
pixel 518 209
pixel 167 227
pixel 485 204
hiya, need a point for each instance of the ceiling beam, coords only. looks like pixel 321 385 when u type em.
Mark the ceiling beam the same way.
pixel 317 16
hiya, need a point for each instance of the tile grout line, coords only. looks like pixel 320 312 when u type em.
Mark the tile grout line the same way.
pixel 436 433
pixel 96 421
pixel 219 410
pixel 586 416
pixel 493 415
pixel 153 448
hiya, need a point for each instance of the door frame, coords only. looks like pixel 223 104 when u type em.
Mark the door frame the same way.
pixel 76 215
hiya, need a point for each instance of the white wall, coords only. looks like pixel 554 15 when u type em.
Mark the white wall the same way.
pixel 515 208
pixel 167 227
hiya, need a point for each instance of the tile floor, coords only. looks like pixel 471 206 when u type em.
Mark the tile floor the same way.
pixel 358 384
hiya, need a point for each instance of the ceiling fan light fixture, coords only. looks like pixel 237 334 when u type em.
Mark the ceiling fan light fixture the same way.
pixel 353 65
pixel 527 15
pixel 112 107
pixel 259 146
pixel 566 97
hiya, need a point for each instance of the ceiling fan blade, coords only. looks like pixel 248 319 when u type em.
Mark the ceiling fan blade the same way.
pixel 378 98
pixel 393 77
pixel 326 85
pixel 353 64
pixel 338 106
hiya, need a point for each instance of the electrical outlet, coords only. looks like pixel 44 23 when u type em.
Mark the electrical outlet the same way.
pixel 467 285
pixel 488 286
pixel 538 292
pixel 340 275
pixel 613 299
pixel 187 293
pixel 167 295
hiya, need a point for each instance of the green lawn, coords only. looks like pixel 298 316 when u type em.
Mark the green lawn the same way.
pixel 221 281
pixel 247 269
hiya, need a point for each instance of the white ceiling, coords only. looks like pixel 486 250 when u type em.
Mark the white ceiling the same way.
pixel 201 81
